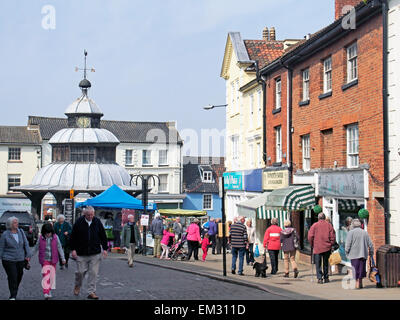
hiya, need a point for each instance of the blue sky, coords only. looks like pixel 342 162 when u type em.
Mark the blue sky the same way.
pixel 155 60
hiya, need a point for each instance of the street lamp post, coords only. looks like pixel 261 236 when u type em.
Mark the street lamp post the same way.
pixel 145 182
pixel 210 107
pixel 222 195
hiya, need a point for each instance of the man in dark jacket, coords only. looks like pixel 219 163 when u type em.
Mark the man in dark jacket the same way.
pixel 130 238
pixel 322 237
pixel 157 230
pixel 88 237
pixel 212 233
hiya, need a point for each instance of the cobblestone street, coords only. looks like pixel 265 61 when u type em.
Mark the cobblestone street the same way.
pixel 143 282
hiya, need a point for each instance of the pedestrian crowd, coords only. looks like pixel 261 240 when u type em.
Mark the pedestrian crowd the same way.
pixel 356 243
pixel 87 243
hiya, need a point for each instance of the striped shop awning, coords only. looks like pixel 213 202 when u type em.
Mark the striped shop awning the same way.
pixel 294 198
pixel 300 198
pixel 348 205
pixel 282 215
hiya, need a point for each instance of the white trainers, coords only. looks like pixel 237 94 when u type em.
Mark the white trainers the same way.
pixel 47 296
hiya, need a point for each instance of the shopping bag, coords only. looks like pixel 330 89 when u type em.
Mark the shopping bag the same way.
pixel 256 252
pixel 335 258
pixel 374 273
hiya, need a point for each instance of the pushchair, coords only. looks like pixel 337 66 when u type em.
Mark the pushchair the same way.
pixel 177 251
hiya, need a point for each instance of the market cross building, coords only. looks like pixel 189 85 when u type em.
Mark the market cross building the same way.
pixel 83 158
pixel 88 155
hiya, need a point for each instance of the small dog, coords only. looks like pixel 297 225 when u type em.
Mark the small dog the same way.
pixel 261 268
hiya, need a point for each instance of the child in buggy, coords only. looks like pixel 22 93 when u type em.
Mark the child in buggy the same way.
pixel 177 251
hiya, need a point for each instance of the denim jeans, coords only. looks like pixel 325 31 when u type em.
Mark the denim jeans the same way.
pixel 213 243
pixel 319 259
pixel 235 252
pixel 250 254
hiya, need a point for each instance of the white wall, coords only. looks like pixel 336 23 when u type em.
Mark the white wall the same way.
pixel 174 163
pixel 27 167
pixel 394 118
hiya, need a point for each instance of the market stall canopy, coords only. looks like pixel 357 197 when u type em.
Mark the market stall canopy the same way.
pixel 181 212
pixel 115 198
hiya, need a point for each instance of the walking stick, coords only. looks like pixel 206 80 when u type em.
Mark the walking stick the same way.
pixel 312 265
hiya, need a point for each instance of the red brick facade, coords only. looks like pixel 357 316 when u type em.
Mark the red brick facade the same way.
pixel 276 118
pixel 325 120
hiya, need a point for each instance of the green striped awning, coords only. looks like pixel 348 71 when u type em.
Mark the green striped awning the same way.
pixel 294 198
pixel 282 215
pixel 348 205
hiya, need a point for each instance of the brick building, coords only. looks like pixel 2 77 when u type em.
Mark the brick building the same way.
pixel 331 121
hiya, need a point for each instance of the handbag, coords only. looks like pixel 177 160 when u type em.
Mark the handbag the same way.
pixel 335 258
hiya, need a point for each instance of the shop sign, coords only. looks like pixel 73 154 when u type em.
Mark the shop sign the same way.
pixel 233 180
pixel 144 220
pixel 69 210
pixel 273 180
pixel 14 204
pixel 253 180
pixel 341 184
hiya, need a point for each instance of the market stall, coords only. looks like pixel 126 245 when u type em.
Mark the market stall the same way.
pixel 116 198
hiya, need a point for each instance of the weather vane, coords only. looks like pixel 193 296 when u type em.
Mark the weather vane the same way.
pixel 85 68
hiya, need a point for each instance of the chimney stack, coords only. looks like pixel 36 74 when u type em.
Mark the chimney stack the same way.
pixel 265 34
pixel 272 34
pixel 340 4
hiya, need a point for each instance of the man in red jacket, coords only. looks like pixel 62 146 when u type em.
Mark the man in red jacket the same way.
pixel 322 237
pixel 272 242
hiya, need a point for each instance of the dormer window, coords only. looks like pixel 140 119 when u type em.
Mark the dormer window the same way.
pixel 207 176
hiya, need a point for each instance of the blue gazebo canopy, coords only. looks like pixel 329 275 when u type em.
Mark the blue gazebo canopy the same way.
pixel 115 198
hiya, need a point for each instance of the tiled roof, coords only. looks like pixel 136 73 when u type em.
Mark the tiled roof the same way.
pixel 264 51
pixel 192 171
pixel 19 135
pixel 125 131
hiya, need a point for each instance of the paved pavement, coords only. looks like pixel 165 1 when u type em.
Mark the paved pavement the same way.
pixel 143 282
pixel 304 287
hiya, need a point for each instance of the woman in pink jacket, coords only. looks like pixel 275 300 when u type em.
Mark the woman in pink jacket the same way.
pixel 193 239
pixel 272 242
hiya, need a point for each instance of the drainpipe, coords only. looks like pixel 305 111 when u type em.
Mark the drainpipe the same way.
pixel 385 10
pixel 264 112
pixel 289 151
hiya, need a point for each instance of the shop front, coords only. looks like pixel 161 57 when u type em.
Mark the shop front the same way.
pixel 255 197
pixel 293 203
pixel 342 195
pixel 272 179
pixel 234 193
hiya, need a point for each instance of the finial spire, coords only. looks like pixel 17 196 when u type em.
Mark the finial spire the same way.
pixel 85 84
pixel 84 70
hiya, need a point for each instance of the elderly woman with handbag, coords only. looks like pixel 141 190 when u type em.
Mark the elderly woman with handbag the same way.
pixel 358 247
pixel 15 254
